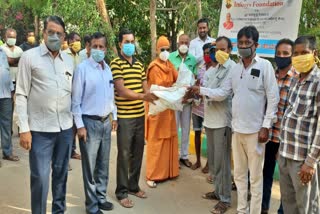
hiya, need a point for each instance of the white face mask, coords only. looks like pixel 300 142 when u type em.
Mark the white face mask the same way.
pixel 164 55
pixel 11 41
pixel 183 49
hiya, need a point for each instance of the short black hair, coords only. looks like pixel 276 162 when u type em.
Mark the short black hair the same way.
pixel 124 31
pixel 203 20
pixel 72 35
pixel 55 19
pixel 226 39
pixel 98 35
pixel 249 32
pixel 206 46
pixel 308 41
pixel 285 41
pixel 87 38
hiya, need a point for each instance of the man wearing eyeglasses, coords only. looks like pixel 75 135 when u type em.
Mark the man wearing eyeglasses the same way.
pixel 43 106
pixel 254 105
pixel 183 117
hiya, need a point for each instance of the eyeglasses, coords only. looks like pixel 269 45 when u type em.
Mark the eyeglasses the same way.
pixel 165 49
pixel 51 33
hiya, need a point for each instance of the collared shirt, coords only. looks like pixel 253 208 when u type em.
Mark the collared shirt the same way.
pixel 196 50
pixel 6 85
pixel 217 114
pixel 133 76
pixel 284 86
pixel 43 93
pixel 76 58
pixel 198 105
pixel 26 46
pixel 92 91
pixel 300 126
pixel 83 55
pixel 189 61
pixel 256 95
pixel 16 53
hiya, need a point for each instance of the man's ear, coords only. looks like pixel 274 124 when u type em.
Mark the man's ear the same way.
pixel 256 44
pixel 120 45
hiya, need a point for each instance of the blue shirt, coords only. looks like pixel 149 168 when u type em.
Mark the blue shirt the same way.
pixel 6 85
pixel 92 91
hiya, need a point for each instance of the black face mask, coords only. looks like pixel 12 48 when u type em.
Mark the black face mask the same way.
pixel 282 62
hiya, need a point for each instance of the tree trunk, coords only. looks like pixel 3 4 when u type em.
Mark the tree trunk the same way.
pixel 199 9
pixel 36 26
pixel 102 8
pixel 153 28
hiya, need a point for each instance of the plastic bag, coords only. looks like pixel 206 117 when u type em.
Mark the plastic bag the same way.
pixel 185 76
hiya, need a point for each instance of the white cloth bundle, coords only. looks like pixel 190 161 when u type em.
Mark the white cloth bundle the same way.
pixel 171 97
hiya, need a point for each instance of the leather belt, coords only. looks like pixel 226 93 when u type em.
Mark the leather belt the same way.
pixel 95 117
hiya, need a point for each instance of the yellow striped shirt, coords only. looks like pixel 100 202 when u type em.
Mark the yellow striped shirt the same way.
pixel 133 76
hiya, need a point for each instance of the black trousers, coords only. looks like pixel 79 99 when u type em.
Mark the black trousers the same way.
pixel 130 142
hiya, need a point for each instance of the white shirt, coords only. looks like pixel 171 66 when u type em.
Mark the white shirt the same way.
pixel 92 91
pixel 256 95
pixel 217 114
pixel 196 50
pixel 43 93
pixel 16 53
pixel 6 85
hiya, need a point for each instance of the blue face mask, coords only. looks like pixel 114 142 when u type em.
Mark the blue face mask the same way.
pixel 128 49
pixel 53 42
pixel 97 55
pixel 213 57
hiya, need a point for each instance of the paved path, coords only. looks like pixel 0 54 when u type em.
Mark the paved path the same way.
pixel 182 195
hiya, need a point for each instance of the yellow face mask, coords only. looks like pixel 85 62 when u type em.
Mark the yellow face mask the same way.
pixel 303 63
pixel 76 46
pixel 31 40
pixel 221 57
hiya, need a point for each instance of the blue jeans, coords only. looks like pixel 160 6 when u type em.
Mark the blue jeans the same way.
pixel 95 162
pixel 49 150
pixel 268 171
pixel 6 125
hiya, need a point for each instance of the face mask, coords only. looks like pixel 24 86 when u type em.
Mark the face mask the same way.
pixel 221 57
pixel 11 41
pixel 303 63
pixel 53 42
pixel 207 59
pixel 245 52
pixel 31 40
pixel 97 55
pixel 282 62
pixel 76 46
pixel 128 49
pixel 164 56
pixel 183 49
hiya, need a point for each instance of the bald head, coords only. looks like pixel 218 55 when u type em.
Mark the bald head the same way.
pixel 183 40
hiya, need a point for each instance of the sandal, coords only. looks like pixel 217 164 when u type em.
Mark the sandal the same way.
pixel 211 196
pixel 126 202
pixel 186 162
pixel 196 166
pixel 151 184
pixel 76 156
pixel 205 170
pixel 139 194
pixel 220 208
pixel 210 179
pixel 11 158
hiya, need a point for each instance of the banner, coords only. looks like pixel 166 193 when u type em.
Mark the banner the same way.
pixel 274 19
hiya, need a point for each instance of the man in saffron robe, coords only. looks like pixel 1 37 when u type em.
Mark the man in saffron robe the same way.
pixel 161 132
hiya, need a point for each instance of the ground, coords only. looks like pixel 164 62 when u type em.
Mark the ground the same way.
pixel 182 195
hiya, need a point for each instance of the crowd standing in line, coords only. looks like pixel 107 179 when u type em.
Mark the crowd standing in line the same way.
pixel 56 92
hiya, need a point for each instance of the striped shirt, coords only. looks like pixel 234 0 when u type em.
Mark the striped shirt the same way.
pixel 284 86
pixel 300 126
pixel 133 76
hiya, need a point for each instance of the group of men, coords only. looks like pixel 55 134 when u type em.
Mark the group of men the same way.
pixel 61 94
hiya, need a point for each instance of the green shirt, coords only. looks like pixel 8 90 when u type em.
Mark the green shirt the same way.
pixel 190 61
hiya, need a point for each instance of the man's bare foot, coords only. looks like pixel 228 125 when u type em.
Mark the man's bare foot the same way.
pixel 196 166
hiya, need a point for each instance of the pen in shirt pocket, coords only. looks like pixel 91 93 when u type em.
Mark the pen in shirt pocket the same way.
pixel 110 83
pixel 68 75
